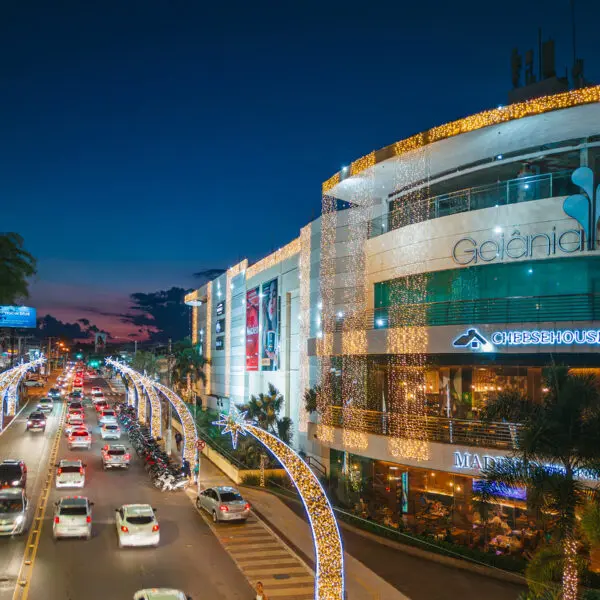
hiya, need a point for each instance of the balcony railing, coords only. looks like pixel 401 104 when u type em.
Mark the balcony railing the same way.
pixel 435 429
pixel 512 191
pixel 516 309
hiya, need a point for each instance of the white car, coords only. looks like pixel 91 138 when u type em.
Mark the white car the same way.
pixel 13 511
pixel 72 518
pixel 75 419
pixel 108 415
pixel 160 594
pixel 70 474
pixel 34 383
pixel 110 431
pixel 137 525
pixel 115 456
pixel 80 438
pixel 97 391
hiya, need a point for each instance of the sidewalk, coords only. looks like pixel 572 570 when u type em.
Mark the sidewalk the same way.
pixel 361 582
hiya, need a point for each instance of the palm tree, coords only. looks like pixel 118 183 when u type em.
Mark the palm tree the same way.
pixel 16 265
pixel 310 398
pixel 145 362
pixel 264 408
pixel 559 441
pixel 188 367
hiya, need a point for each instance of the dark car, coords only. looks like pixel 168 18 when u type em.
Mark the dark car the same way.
pixel 75 396
pixel 54 393
pixel 13 473
pixel 36 421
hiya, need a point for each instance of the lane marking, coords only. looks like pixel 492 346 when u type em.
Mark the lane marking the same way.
pixel 26 571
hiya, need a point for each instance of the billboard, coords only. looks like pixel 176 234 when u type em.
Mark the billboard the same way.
pixel 269 317
pixel 252 330
pixel 17 316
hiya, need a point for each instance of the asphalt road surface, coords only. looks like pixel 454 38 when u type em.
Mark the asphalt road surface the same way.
pixel 189 557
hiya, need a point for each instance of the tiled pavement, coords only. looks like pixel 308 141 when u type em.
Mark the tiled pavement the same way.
pixel 262 557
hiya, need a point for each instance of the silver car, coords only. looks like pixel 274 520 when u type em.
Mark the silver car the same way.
pixel 13 511
pixel 70 474
pixel 73 518
pixel 224 504
pixel 115 456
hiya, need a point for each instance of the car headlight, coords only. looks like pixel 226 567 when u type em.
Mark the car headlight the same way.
pixel 16 482
pixel 19 520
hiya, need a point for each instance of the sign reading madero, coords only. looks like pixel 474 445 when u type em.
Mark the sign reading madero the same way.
pixel 581 207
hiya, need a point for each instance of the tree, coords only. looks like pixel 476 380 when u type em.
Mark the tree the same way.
pixel 163 314
pixel 264 409
pixel 310 398
pixel 559 440
pixel 16 266
pixel 188 367
pixel 145 362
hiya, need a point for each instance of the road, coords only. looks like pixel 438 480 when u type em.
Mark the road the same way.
pixel 189 556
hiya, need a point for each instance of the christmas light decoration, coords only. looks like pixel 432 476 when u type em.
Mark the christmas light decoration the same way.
pixel 190 434
pixel 304 269
pixel 9 385
pixel 273 259
pixel 208 348
pixel 156 413
pixel 570 575
pixel 480 120
pixel 329 580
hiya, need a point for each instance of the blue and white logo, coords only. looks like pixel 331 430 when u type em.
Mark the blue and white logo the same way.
pixel 473 340
pixel 584 207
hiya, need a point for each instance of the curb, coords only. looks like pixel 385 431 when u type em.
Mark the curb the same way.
pixel 16 415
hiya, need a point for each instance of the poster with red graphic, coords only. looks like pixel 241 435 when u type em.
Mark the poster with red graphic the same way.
pixel 252 309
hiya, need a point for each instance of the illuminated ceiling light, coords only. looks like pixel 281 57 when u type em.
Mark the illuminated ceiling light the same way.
pixel 497 229
pixel 319 334
pixel 526 186
pixel 340 314
pixel 499 157
pixel 379 322
pixel 530 271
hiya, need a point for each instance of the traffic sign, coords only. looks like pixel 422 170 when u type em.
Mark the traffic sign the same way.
pixel 200 444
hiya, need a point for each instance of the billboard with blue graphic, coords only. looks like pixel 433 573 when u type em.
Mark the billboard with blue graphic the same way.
pixel 17 316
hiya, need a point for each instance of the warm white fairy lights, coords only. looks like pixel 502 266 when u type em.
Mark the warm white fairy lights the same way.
pixel 273 259
pixel 329 580
pixel 304 269
pixel 472 123
pixel 156 414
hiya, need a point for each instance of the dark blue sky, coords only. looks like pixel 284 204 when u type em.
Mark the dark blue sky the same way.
pixel 141 141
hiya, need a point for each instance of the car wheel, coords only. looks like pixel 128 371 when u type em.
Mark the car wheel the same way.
pixel 198 505
pixel 215 518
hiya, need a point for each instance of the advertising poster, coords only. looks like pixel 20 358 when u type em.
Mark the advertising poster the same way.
pixel 252 330
pixel 270 327
pixel 17 316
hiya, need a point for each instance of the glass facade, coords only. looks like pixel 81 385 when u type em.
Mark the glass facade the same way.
pixel 561 289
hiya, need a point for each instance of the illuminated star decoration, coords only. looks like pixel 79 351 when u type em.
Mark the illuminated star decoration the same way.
pixel 234 423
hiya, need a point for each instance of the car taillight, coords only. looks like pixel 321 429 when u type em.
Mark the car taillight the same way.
pixel 59 470
pixel 247 506
pixel 56 519
pixel 127 457
pixel 70 438
pixel 81 472
pixel 124 529
pixel 224 508
pixel 88 519
pixel 155 527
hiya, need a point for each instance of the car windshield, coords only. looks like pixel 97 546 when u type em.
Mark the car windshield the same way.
pixel 73 510
pixel 37 415
pixel 230 497
pixel 12 505
pixel 111 427
pixel 108 413
pixel 70 469
pixel 75 405
pixel 10 472
pixel 140 519
pixel 116 452
pixel 53 390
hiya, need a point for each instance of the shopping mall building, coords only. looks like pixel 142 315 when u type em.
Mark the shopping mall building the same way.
pixel 444 269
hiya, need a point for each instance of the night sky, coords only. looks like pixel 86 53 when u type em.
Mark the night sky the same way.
pixel 141 141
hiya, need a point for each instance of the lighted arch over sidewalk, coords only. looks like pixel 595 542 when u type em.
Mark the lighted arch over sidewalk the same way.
pixel 329 582
pixel 190 434
pixel 9 386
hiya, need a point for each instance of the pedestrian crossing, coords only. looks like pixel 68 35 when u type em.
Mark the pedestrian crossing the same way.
pixel 261 556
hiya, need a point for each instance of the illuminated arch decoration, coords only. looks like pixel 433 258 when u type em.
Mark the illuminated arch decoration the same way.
pixel 156 412
pixel 9 386
pixel 190 434
pixel 329 580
